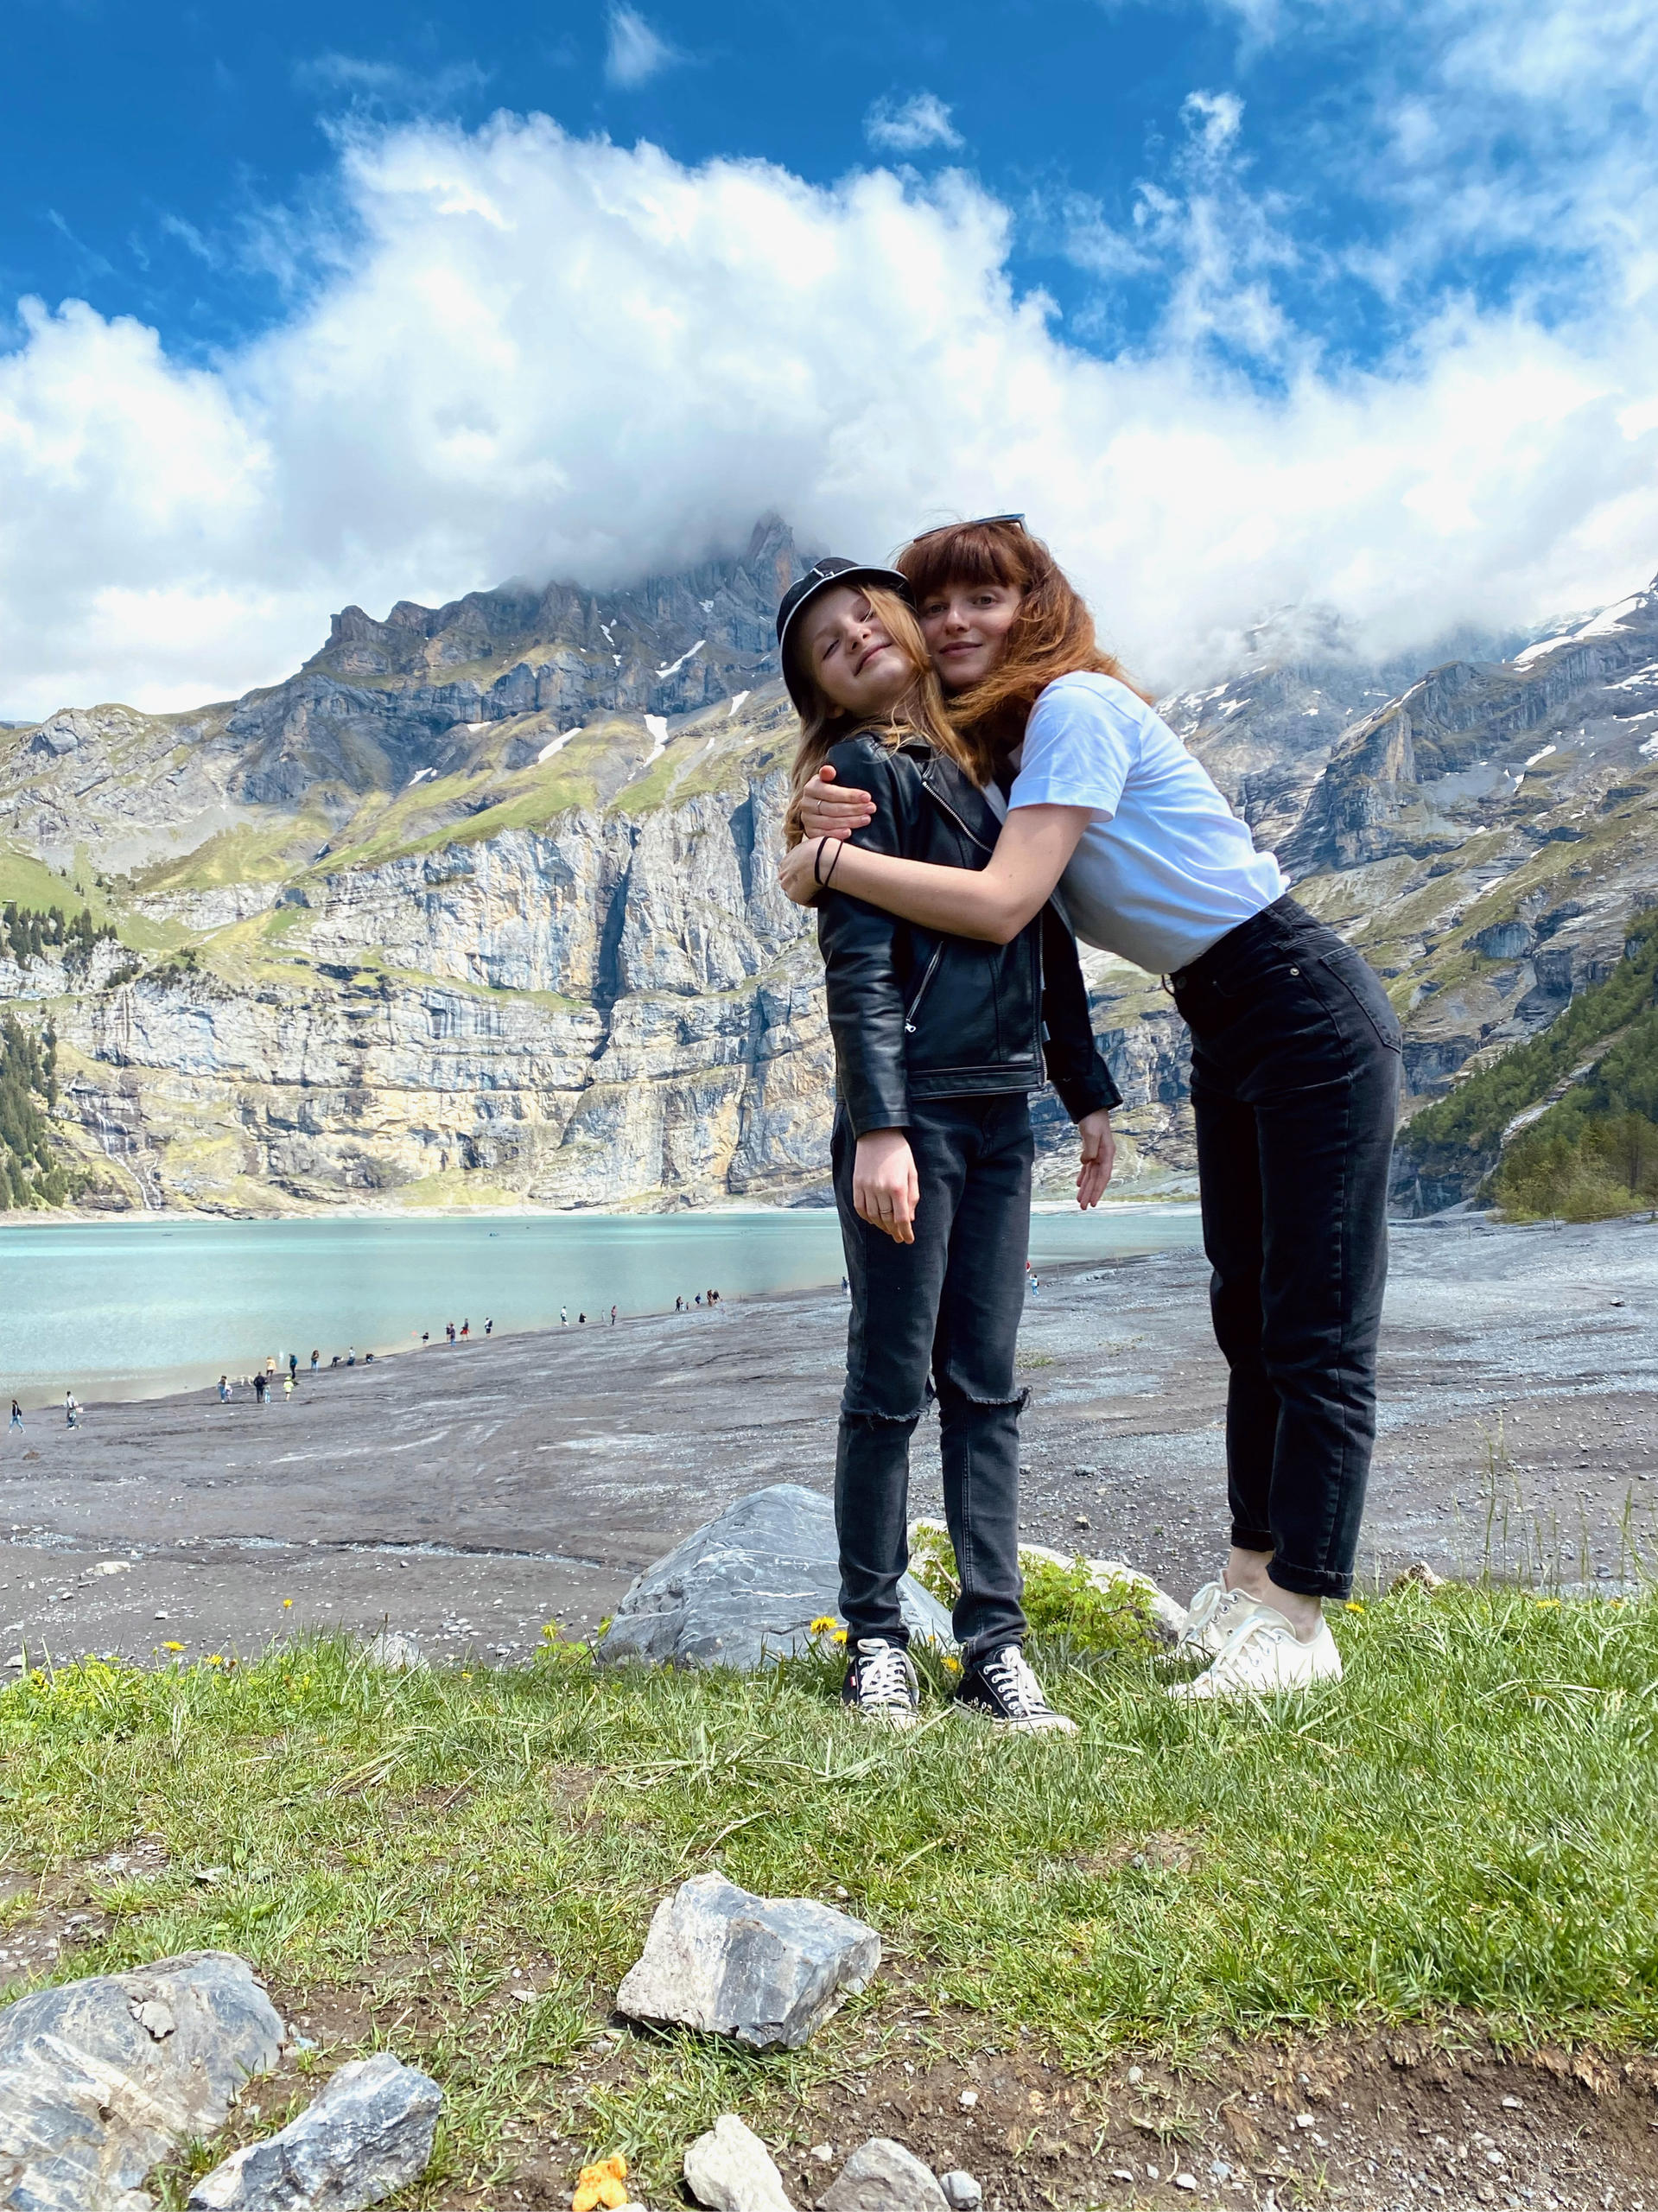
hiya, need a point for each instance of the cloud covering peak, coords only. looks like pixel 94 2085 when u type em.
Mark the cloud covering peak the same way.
pixel 528 353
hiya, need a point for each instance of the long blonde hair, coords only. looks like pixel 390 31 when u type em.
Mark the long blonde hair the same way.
pixel 919 710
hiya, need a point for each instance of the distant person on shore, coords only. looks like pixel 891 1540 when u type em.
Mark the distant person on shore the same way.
pixel 449 1327
pixel 613 1317
pixel 679 1305
pixel 260 1386
pixel 425 1336
pixel 1295 1052
pixel 16 1414
pixel 489 1326
pixel 581 1320
pixel 71 1410
pixel 293 1365
pixel 334 1361
pixel 350 1355
pixel 224 1389
pixel 316 1357
pixel 287 1388
pixel 938 1043
pixel 563 1317
pixel 466 1330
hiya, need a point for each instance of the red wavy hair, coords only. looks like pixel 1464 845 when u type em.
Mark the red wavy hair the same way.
pixel 1052 633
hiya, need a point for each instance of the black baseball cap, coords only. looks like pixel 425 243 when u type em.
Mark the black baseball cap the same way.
pixel 823 576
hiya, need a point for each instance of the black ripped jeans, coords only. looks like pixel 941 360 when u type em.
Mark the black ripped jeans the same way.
pixel 1294 1086
pixel 949 1303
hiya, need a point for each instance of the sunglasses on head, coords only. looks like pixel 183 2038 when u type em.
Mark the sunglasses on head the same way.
pixel 979 522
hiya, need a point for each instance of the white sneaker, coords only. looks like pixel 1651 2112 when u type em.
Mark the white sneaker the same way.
pixel 1264 1657
pixel 1213 1614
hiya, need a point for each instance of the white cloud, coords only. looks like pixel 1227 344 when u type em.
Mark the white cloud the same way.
pixel 634 53
pixel 532 354
pixel 910 126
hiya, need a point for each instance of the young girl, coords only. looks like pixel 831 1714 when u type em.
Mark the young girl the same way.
pixel 1295 1055
pixel 939 1040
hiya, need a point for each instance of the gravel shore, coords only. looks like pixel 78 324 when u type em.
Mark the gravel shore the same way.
pixel 468 1495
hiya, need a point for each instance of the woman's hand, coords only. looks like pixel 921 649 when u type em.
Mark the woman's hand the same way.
pixel 796 875
pixel 886 1189
pixel 1099 1150
pixel 826 812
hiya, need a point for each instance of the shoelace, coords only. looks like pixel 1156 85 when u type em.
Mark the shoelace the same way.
pixel 1009 1674
pixel 1244 1655
pixel 885 1675
pixel 1203 1610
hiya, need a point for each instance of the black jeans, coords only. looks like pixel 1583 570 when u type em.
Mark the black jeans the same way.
pixel 950 1303
pixel 1294 1084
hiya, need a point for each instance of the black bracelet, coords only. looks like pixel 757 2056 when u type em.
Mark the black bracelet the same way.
pixel 817 862
pixel 840 847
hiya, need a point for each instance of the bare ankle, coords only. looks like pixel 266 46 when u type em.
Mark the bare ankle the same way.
pixel 1247 1571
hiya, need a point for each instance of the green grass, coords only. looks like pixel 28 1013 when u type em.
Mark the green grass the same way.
pixel 1464 1824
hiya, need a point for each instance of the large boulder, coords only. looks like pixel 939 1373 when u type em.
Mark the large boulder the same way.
pixel 369 2133
pixel 100 2079
pixel 763 1970
pixel 747 1587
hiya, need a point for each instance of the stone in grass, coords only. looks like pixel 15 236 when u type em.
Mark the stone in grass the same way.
pixel 745 1589
pixel 765 1970
pixel 370 2133
pixel 102 2078
pixel 882 2176
pixel 731 2170
pixel 962 2192
pixel 396 1653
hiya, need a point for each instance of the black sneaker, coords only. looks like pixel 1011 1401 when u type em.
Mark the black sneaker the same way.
pixel 999 1685
pixel 880 1683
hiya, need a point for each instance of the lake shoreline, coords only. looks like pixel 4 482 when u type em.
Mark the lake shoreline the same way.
pixel 470 1495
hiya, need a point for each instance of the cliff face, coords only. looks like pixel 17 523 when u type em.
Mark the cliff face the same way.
pixel 480 905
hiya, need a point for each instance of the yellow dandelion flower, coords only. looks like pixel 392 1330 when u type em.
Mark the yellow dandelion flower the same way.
pixel 839 1637
pixel 823 1625
pixel 286 1604
pixel 1355 1604
pixel 172 1647
pixel 952 1665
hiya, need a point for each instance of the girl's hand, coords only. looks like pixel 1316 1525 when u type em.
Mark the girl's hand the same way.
pixel 1099 1151
pixel 796 874
pixel 886 1189
pixel 826 812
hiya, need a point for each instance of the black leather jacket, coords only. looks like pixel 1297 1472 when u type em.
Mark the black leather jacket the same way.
pixel 918 1014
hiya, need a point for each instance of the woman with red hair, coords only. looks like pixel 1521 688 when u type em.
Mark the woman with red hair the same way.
pixel 1295 1053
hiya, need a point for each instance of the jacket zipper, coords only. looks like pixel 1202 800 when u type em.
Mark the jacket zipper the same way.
pixel 938 799
pixel 915 1003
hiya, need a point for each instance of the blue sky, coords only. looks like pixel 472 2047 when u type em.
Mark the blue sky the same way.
pixel 1248 301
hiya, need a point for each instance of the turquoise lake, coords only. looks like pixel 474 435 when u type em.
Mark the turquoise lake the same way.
pixel 133 1308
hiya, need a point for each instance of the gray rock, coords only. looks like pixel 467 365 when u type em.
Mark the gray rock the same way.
pixel 370 2133
pixel 747 1587
pixel 961 2192
pixel 730 2168
pixel 396 1653
pixel 101 2078
pixel 765 1970
pixel 882 2176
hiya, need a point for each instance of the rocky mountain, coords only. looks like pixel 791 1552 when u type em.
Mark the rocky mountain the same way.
pixel 479 906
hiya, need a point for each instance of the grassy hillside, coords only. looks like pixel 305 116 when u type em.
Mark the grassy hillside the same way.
pixel 1461 1135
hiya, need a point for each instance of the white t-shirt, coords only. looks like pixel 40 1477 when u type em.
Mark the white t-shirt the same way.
pixel 1165 868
